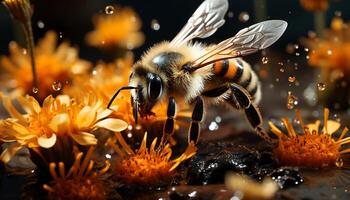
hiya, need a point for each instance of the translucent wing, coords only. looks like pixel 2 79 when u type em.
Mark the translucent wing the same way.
pixel 246 41
pixel 204 22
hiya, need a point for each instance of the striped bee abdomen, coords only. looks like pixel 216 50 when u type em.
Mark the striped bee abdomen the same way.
pixel 238 71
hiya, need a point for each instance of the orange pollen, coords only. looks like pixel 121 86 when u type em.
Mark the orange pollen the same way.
pixel 309 150
pixel 79 188
pixel 144 168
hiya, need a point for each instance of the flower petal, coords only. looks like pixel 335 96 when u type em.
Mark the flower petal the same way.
pixel 11 109
pixel 112 124
pixel 47 142
pixel 104 114
pixel 84 138
pixel 60 123
pixel 332 126
pixel 9 152
pixel 85 117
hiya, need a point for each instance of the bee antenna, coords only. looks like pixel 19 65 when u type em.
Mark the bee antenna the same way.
pixel 116 94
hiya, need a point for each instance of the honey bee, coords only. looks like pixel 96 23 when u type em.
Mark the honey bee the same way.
pixel 198 73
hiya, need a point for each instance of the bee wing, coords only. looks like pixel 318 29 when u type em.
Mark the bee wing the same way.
pixel 246 41
pixel 204 22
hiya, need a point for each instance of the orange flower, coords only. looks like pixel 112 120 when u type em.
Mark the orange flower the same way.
pixel 313 148
pixel 60 116
pixel 315 5
pixel 55 67
pixel 79 182
pixel 333 50
pixel 147 166
pixel 120 29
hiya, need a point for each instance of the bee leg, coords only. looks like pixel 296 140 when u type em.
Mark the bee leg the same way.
pixel 241 99
pixel 240 96
pixel 254 117
pixel 197 117
pixel 168 128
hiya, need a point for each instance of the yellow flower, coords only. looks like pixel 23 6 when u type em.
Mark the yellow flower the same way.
pixel 55 66
pixel 315 5
pixel 60 116
pixel 79 182
pixel 120 29
pixel 147 166
pixel 312 148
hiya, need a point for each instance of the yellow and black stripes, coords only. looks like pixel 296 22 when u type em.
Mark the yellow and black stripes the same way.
pixel 238 71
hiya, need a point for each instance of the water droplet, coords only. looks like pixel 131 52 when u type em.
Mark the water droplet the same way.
pixel 40 24
pixel 24 51
pixel 329 52
pixel 338 13
pixel 282 70
pixel 35 90
pixel 265 60
pixel 307 57
pixel 130 127
pixel 108 156
pixel 280 63
pixel 57 86
pixel 339 162
pixel 129 135
pixel 296 46
pixel 297 54
pixel 155 25
pixel 94 72
pixel 230 14
pixel 213 126
pixel 60 35
pixel 243 16
pixel 321 86
pixel 291 101
pixel 291 79
pixel 277 80
pixel 218 119
pixel 109 10
pixel 306 49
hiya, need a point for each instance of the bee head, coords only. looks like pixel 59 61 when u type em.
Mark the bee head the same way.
pixel 150 89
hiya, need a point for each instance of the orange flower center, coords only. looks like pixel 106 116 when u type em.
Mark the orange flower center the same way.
pixel 309 150
pixel 144 169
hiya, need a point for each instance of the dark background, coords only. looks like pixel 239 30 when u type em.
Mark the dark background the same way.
pixel 73 19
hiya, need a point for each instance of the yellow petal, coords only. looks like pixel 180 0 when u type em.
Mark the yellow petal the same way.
pixel 112 124
pixel 84 138
pixel 64 99
pixel 104 114
pixel 85 117
pixel 314 126
pixel 9 152
pixel 34 103
pixel 47 142
pixel 12 110
pixel 332 127
pixel 60 123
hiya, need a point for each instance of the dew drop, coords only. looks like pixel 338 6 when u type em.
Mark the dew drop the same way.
pixel 213 126
pixel 291 79
pixel 230 14
pixel 338 13
pixel 306 49
pixel 243 16
pixel 40 24
pixel 60 35
pixel 291 101
pixel 109 10
pixel 329 52
pixel 264 60
pixel 321 86
pixel 35 90
pixel 282 70
pixel 56 86
pixel 339 162
pixel 297 54
pixel 155 25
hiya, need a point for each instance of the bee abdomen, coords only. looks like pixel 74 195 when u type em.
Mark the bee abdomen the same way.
pixel 238 71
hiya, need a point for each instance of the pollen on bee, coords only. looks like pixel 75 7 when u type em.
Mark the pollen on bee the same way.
pixel 313 147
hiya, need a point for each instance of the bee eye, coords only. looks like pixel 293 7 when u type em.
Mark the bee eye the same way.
pixel 154 86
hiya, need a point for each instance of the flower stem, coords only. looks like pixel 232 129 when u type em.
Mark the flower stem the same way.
pixel 30 45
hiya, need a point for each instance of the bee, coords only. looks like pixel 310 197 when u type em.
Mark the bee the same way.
pixel 196 73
